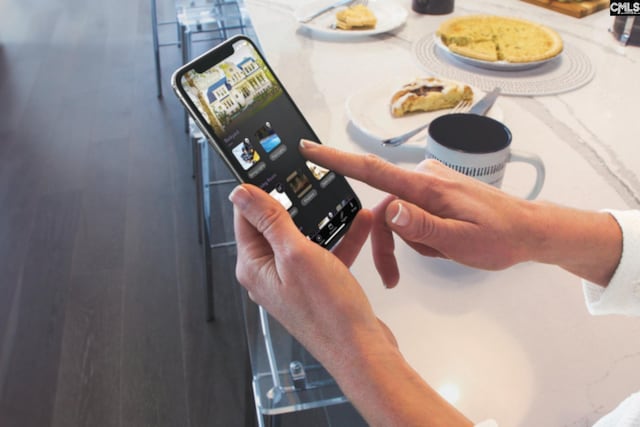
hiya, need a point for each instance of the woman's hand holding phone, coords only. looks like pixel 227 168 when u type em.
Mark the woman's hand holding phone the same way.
pixel 295 279
pixel 314 296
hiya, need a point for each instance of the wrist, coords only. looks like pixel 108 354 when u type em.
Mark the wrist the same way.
pixel 385 389
pixel 585 243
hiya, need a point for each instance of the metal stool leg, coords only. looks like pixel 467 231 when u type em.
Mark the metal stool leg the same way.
pixel 156 45
pixel 197 168
pixel 204 220
pixel 210 295
pixel 186 54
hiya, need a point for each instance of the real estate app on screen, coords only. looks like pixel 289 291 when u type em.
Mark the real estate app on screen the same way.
pixel 257 127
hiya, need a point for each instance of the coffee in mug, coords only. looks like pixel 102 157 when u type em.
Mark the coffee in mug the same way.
pixel 480 147
pixel 432 7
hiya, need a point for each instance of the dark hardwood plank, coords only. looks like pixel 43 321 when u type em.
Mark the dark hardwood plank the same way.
pixel 31 374
pixel 15 61
pixel 152 372
pixel 101 228
pixel 15 227
pixel 88 384
pixel 215 354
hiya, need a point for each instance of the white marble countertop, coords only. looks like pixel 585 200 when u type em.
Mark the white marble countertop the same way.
pixel 516 345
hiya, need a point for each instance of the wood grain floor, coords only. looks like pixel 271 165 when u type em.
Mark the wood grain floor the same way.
pixel 102 318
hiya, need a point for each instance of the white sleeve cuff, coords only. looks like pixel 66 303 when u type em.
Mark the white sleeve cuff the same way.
pixel 627 414
pixel 622 294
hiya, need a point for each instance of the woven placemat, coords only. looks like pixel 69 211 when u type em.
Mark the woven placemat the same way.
pixel 571 70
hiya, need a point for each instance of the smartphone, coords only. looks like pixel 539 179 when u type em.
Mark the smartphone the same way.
pixel 237 101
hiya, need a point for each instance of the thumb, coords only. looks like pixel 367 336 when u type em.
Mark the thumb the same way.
pixel 414 224
pixel 265 214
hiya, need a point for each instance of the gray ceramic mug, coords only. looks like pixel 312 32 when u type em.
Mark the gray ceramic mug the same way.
pixel 480 147
pixel 432 7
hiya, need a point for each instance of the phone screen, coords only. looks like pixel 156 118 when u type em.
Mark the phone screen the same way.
pixel 238 102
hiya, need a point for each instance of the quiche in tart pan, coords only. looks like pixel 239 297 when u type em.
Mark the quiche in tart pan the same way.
pixel 497 38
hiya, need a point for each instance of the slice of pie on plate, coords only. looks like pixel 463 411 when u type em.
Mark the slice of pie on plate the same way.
pixel 428 94
pixel 356 18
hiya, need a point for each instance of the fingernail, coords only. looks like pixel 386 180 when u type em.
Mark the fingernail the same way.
pixel 389 285
pixel 401 218
pixel 240 197
pixel 305 143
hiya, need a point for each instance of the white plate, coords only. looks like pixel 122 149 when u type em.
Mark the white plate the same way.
pixel 369 111
pixel 390 16
pixel 492 65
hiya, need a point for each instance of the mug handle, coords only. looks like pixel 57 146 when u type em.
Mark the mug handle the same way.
pixel 535 161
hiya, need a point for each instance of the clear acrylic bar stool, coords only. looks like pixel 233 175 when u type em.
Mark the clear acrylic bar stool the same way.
pixel 214 19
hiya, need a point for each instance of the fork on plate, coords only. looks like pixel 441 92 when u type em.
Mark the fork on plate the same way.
pixel 339 3
pixel 461 107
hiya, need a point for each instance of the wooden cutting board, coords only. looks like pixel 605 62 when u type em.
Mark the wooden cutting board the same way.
pixel 576 9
